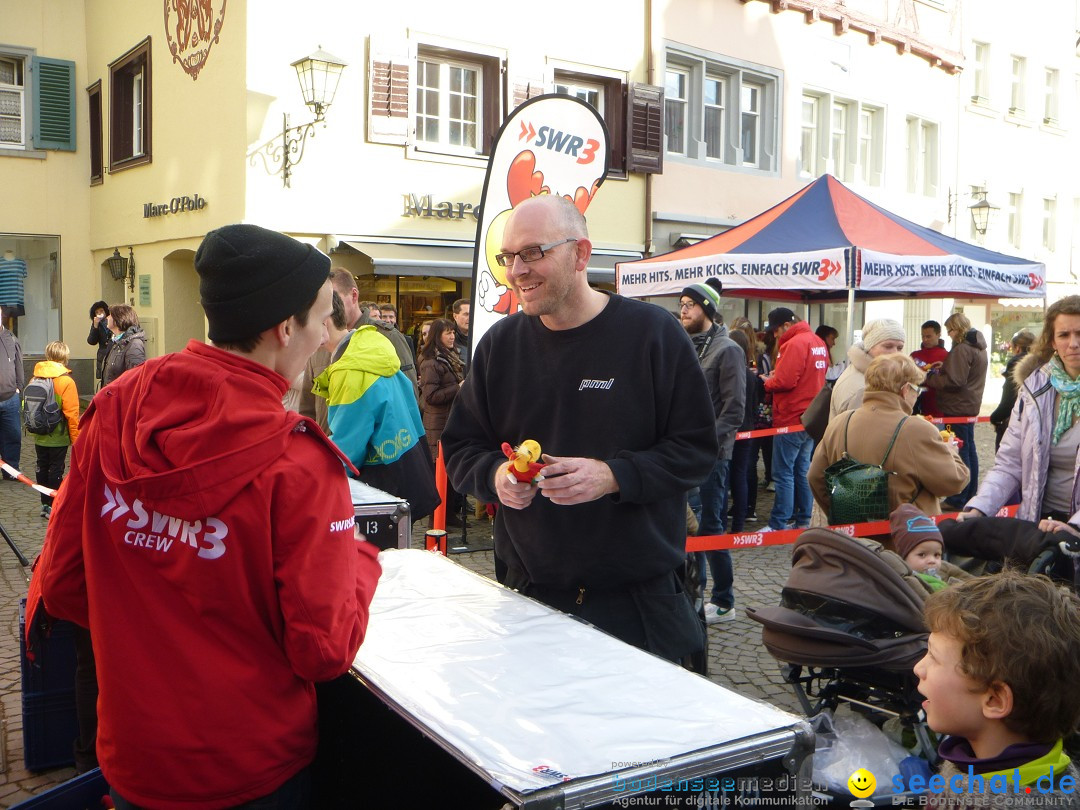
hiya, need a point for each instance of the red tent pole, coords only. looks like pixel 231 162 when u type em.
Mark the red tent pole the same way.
pixel 438 520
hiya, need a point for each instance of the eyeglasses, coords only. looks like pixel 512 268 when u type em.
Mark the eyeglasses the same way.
pixel 686 305
pixel 529 254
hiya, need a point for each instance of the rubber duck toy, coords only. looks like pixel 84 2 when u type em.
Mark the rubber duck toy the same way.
pixel 525 463
pixel 949 437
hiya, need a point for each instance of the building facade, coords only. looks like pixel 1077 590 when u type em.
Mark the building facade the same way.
pixel 129 131
pixel 178 121
pixel 939 110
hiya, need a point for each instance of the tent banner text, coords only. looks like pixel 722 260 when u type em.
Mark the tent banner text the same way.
pixel 888 272
pixel 816 270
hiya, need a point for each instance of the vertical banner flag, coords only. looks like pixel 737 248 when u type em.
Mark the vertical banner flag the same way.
pixel 551 144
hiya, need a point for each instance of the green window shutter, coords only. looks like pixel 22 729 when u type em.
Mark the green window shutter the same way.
pixel 53 83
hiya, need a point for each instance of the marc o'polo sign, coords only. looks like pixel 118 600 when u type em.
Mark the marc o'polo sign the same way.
pixel 177 205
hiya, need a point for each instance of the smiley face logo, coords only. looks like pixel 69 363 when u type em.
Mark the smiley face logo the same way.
pixel 861 783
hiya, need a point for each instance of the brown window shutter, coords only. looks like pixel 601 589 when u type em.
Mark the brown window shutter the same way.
pixel 389 85
pixel 525 88
pixel 645 129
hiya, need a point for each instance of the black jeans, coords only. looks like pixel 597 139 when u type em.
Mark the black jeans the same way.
pixel 50 468
pixel 655 615
pixel 743 482
pixel 86 694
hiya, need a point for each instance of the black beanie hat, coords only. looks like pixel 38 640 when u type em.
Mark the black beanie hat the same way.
pixel 251 279
pixel 706 295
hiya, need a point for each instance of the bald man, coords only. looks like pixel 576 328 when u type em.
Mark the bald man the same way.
pixel 612 391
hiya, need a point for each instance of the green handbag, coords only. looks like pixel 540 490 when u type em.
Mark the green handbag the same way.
pixel 859 492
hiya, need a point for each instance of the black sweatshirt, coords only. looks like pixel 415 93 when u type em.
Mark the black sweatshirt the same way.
pixel 625 388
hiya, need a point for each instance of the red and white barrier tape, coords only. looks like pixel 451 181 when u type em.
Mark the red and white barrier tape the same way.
pixel 16 474
pixel 944 420
pixel 782 537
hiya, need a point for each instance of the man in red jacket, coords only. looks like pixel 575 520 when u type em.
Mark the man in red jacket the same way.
pixel 931 350
pixel 797 379
pixel 205 536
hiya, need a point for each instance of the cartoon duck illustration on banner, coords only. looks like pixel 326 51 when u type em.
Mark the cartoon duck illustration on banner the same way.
pixel 552 144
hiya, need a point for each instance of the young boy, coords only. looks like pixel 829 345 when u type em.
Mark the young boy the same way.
pixel 1000 677
pixel 52 448
pixel 916 538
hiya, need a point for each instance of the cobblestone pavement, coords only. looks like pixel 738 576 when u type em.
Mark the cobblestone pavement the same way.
pixel 736 657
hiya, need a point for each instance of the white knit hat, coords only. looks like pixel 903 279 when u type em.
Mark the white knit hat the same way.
pixel 881 329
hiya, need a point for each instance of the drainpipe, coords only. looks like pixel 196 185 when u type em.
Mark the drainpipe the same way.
pixel 651 79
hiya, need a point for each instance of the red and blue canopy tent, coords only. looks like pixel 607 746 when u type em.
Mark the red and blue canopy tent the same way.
pixel 826 243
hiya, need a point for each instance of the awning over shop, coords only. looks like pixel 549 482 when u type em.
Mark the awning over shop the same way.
pixel 392 259
pixel 1022 303
pixel 602 265
pixel 448 261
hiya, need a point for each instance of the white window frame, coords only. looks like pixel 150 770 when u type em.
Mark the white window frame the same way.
pixel 981 72
pixel 1014 212
pixel 720 108
pixel 866 138
pixel 493 71
pixel 19 91
pixel 442 117
pixel 857 153
pixel 138 97
pixel 1018 91
pixel 1049 223
pixel 1051 96
pixel 677 107
pixel 751 102
pixel 582 91
pixel 751 136
pixel 839 145
pixel 923 145
pixel 808 145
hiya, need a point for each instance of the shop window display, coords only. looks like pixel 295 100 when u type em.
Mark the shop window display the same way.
pixel 30 289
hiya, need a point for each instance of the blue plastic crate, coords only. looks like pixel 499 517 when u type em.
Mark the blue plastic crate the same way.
pixel 53 667
pixel 81 793
pixel 50 726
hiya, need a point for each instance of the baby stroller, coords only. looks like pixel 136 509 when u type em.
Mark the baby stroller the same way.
pixel 849 628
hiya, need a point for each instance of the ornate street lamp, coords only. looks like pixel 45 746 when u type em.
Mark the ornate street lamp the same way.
pixel 318 74
pixel 981 209
pixel 121 268
pixel 980 213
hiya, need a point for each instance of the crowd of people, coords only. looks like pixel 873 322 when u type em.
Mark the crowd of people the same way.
pixel 249 439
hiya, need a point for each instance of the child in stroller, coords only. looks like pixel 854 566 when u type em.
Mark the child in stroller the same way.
pixel 918 541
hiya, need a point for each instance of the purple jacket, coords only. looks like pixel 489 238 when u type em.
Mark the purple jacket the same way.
pixel 1024 456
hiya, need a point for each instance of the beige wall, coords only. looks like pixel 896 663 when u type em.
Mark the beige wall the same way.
pixel 198 148
pixel 48 196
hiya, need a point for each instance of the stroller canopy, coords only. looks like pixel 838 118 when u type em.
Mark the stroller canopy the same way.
pixel 846 603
